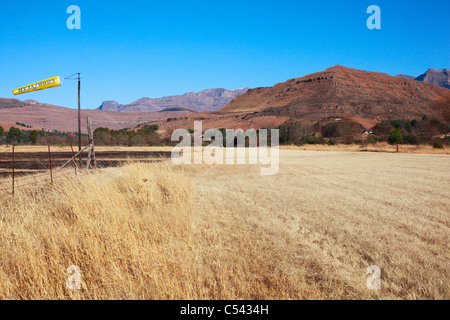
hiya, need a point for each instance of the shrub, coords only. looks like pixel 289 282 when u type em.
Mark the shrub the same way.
pixel 446 141
pixel 372 139
pixel 320 140
pixel 408 127
pixel 332 142
pixel 397 124
pixel 411 139
pixel 382 128
pixel 310 140
pixel 438 145
pixel 294 132
pixel 347 130
pixel 330 130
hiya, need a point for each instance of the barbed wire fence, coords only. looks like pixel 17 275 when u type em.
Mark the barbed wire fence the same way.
pixel 51 174
pixel 18 179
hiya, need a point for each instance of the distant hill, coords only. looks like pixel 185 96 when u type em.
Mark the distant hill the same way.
pixel 361 96
pixel 404 76
pixel 203 101
pixel 341 91
pixel 438 77
pixel 38 115
pixel 15 103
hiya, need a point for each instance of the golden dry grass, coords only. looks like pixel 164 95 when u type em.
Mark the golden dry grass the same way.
pixel 378 147
pixel 156 231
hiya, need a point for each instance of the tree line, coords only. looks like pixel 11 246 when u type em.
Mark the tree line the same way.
pixel 424 131
pixel 146 135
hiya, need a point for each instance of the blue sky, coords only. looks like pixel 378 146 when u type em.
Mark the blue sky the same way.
pixel 127 50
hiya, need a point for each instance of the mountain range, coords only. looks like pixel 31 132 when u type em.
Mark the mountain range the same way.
pixel 31 114
pixel 341 91
pixel 334 94
pixel 361 96
pixel 203 101
pixel 438 77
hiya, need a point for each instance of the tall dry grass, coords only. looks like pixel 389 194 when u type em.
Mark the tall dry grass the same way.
pixel 133 233
pixel 155 231
pixel 128 230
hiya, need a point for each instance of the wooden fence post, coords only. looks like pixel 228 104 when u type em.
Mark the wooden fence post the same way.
pixel 91 156
pixel 74 159
pixel 13 170
pixel 50 161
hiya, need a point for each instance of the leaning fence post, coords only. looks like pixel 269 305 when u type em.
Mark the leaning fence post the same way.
pixel 50 161
pixel 91 156
pixel 74 159
pixel 13 170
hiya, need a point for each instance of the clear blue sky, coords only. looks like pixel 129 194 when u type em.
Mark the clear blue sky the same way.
pixel 127 50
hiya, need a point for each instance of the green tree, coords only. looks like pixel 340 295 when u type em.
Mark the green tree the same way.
pixel 34 136
pixel 397 124
pixel 330 130
pixel 396 137
pixel 14 135
pixel 2 131
pixel 408 127
pixel 153 127
pixel 347 130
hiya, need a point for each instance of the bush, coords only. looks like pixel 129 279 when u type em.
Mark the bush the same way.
pixel 446 141
pixel 332 142
pixel 314 140
pixel 411 139
pixel 153 127
pixel 383 128
pixel 397 124
pixel 310 140
pixel 408 127
pixel 294 133
pixel 320 140
pixel 372 139
pixel 330 130
pixel 438 145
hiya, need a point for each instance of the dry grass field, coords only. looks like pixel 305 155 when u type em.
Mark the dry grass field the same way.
pixel 378 147
pixel 159 231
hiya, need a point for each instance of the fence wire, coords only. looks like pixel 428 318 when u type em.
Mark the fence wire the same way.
pixel 45 177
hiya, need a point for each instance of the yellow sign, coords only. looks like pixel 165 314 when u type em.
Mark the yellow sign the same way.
pixel 41 85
